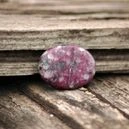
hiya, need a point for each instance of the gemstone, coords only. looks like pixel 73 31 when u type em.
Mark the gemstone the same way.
pixel 67 67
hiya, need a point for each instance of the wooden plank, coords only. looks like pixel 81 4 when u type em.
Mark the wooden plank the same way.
pixel 26 62
pixel 39 34
pixel 114 90
pixel 56 2
pixel 65 7
pixel 81 107
pixel 37 23
pixel 103 39
pixel 81 27
pixel 30 68
pixel 19 112
pixel 90 9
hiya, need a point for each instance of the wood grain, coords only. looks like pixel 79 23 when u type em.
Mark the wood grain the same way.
pixel 101 27
pixel 19 112
pixel 76 105
pixel 116 94
pixel 28 28
pixel 28 102
pixel 101 37
pixel 64 7
pixel 26 62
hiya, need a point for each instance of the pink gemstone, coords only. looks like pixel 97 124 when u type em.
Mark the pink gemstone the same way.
pixel 67 67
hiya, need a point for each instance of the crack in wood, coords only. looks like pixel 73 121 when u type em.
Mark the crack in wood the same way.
pixel 19 112
pixel 81 105
pixel 108 102
pixel 50 108
pixel 51 102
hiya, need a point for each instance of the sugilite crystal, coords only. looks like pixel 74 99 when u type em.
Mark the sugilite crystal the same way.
pixel 67 67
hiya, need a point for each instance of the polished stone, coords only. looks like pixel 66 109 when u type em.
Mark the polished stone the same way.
pixel 67 67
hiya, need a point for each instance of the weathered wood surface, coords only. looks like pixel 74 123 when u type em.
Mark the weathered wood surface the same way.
pixel 26 62
pixel 27 29
pixel 19 112
pixel 16 33
pixel 29 103
pixel 117 91
pixel 65 7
